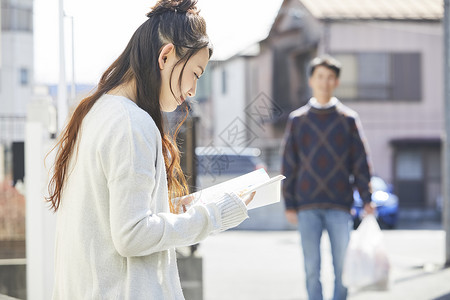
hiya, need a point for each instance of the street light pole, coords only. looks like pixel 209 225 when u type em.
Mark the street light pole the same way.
pixel 446 148
pixel 62 86
pixel 72 88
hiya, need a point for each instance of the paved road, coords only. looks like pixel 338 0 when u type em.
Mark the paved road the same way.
pixel 267 265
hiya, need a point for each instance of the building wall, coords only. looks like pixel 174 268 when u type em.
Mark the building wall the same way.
pixel 384 121
pixel 259 99
pixel 17 57
pixel 16 67
pixel 229 101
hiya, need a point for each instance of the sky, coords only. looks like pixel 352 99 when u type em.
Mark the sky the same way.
pixel 102 28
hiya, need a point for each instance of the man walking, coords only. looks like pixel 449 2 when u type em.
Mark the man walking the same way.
pixel 324 159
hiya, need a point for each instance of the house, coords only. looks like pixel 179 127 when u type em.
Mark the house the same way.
pixel 392 56
pixel 16 80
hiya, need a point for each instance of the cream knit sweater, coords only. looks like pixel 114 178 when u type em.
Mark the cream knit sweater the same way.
pixel 115 237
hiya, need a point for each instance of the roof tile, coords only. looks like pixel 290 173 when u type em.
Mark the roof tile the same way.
pixel 376 9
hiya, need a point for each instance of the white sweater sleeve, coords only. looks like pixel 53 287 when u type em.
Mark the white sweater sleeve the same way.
pixel 130 164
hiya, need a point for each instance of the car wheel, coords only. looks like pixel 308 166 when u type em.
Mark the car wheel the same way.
pixel 384 225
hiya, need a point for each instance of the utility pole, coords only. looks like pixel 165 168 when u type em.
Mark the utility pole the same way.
pixel 446 148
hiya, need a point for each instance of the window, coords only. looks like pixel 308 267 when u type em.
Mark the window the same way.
pixel 24 76
pixel 380 76
pixel 417 172
pixel 16 17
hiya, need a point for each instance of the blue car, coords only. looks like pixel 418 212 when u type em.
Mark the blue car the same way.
pixel 386 203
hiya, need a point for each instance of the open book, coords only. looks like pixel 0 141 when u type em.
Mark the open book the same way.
pixel 267 189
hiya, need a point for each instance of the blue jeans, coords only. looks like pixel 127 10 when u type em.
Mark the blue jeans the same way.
pixel 338 224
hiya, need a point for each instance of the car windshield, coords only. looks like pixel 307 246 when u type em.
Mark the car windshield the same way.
pixel 226 164
pixel 227 161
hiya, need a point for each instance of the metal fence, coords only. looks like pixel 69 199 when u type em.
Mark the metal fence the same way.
pixel 12 128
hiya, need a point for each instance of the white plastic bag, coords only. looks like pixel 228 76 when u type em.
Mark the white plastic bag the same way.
pixel 366 262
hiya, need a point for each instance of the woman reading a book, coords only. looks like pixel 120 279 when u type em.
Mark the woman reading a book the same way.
pixel 116 169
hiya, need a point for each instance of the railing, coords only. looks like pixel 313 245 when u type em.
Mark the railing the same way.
pixel 12 128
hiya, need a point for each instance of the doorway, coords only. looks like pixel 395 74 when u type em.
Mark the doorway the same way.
pixel 417 173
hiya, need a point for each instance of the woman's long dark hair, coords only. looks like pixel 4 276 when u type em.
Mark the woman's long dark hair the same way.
pixel 169 21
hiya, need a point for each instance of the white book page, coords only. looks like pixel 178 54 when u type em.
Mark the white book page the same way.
pixel 267 189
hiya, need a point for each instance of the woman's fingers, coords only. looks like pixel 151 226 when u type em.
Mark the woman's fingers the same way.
pixel 249 198
pixel 187 199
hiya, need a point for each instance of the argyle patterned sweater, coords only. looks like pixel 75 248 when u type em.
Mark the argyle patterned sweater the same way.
pixel 324 159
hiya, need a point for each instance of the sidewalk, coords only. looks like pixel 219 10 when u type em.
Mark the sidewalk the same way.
pixel 268 265
pixel 4 297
